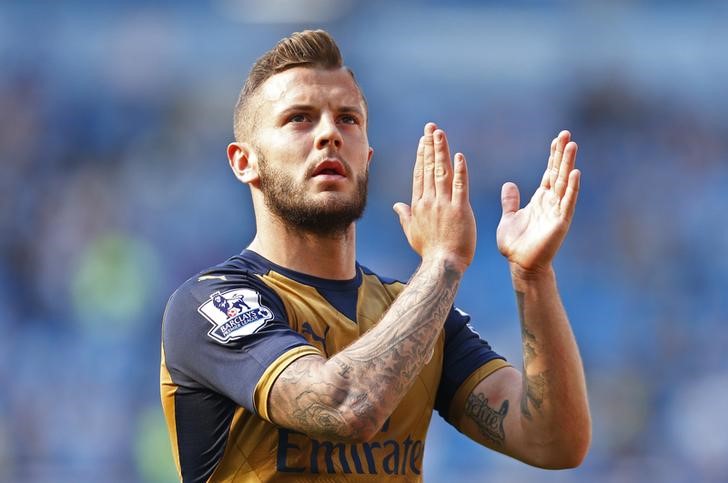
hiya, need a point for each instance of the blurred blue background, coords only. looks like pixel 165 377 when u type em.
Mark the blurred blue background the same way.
pixel 114 188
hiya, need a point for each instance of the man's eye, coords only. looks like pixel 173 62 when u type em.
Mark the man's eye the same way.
pixel 349 120
pixel 298 118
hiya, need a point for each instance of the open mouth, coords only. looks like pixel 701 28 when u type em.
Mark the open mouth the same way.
pixel 330 168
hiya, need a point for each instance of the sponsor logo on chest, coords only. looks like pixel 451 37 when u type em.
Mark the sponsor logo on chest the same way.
pixel 297 453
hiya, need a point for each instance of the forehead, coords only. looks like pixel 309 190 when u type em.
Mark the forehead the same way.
pixel 311 86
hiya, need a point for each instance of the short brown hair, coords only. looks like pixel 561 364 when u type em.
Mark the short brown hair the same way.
pixel 310 48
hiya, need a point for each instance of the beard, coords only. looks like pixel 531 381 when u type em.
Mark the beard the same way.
pixel 289 201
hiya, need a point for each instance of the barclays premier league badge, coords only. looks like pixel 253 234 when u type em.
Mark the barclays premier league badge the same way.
pixel 234 314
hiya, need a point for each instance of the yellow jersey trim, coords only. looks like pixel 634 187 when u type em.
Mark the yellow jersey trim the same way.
pixel 265 383
pixel 168 389
pixel 458 401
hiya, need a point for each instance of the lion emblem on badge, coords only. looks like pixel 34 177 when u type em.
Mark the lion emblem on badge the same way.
pixel 230 307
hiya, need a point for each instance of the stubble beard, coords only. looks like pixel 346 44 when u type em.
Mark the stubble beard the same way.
pixel 289 202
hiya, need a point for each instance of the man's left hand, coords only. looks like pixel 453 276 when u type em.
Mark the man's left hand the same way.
pixel 529 237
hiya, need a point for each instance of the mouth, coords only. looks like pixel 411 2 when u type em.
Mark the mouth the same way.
pixel 330 167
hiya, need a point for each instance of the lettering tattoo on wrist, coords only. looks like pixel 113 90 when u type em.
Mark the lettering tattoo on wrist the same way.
pixel 489 421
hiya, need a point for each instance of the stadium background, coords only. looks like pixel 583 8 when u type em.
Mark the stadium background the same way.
pixel 114 188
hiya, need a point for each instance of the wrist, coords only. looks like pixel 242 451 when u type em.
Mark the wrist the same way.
pixel 529 276
pixel 448 262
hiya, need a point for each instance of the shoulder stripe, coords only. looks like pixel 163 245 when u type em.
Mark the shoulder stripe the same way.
pixel 212 277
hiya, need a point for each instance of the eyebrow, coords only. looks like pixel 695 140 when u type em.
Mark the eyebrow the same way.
pixel 310 107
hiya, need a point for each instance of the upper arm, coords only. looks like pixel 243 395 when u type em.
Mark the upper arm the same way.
pixel 492 414
pixel 488 408
pixel 489 413
pixel 480 392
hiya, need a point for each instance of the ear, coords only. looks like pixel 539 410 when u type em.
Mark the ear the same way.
pixel 243 162
pixel 369 156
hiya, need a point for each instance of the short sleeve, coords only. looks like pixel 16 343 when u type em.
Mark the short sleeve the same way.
pixel 223 333
pixel 465 353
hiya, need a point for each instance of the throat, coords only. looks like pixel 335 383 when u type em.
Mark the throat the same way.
pixel 328 257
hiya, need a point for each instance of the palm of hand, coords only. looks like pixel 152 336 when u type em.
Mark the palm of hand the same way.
pixel 531 236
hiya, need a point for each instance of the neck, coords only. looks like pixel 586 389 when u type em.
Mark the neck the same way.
pixel 325 256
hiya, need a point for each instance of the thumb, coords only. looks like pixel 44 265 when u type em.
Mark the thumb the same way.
pixel 404 212
pixel 510 198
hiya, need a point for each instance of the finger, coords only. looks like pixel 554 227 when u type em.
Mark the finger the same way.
pixel 460 186
pixel 510 198
pixel 443 168
pixel 405 214
pixel 418 175
pixel 567 165
pixel 561 140
pixel 546 179
pixel 568 203
pixel 428 184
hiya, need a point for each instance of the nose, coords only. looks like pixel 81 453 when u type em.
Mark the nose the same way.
pixel 328 134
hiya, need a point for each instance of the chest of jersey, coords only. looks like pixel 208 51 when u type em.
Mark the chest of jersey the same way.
pixel 399 446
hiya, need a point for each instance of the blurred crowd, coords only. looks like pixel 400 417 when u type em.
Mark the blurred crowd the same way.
pixel 114 189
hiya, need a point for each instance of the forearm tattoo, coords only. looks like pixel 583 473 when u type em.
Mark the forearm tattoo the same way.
pixel 489 421
pixel 374 373
pixel 534 386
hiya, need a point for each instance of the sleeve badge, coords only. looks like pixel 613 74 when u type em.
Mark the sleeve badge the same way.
pixel 234 314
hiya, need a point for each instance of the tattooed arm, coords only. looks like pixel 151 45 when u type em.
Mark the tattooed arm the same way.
pixel 349 396
pixel 540 416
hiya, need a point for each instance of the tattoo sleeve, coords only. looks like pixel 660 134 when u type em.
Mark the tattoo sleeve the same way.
pixel 356 390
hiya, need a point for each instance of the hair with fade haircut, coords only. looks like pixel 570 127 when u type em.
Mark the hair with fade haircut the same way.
pixel 310 48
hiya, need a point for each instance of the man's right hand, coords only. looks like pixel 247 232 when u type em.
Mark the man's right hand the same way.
pixel 439 223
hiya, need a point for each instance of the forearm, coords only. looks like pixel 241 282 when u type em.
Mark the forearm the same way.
pixel 350 396
pixel 554 406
